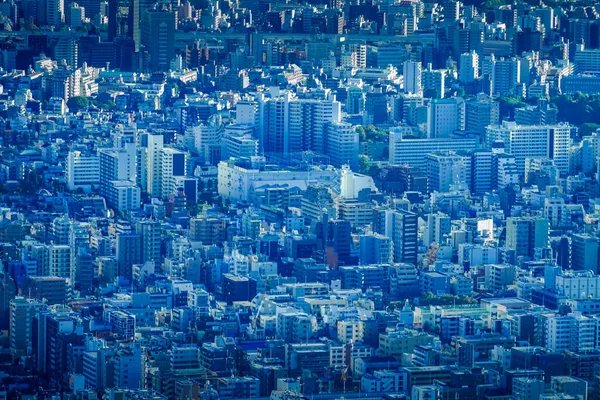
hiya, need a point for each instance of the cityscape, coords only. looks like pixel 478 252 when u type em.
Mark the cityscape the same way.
pixel 299 199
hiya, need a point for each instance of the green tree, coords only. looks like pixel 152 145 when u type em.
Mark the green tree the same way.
pixel 363 164
pixel 77 103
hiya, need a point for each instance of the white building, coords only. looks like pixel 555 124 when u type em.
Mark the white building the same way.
pixel 445 170
pixel 445 116
pixel 82 170
pixel 341 144
pixel 238 142
pixel 206 138
pixel 124 195
pixel 154 145
pixel 238 183
pixel 173 163
pixel 117 165
pixel 469 67
pixel 414 151
pixel 525 141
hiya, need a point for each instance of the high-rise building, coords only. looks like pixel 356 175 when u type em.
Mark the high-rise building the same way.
pixel 445 116
pixel 59 261
pixel 133 23
pixel 433 82
pixel 412 77
pixel 158 38
pixel 469 67
pixel 341 144
pixel 149 232
pixel 117 165
pixel 22 312
pixel 438 225
pixel 445 170
pixel 404 236
pixel 526 234
pixel 505 75
pixel 153 143
pixel 128 252
pixel 481 112
pixel 531 141
pixel 584 252
pixel 173 163
pixel 55 10
pixel 375 249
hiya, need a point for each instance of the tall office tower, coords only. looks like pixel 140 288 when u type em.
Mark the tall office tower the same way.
pixel 113 12
pixel 341 144
pixel 481 112
pixel 307 123
pixel 158 38
pixel 445 116
pixel 149 232
pixel 154 145
pixel 433 82
pixel 411 71
pixel 173 163
pixel 584 252
pixel 133 22
pixel 414 151
pixel 404 231
pixel 533 141
pixel 438 225
pixel 55 10
pixel 526 234
pixel 67 50
pixel 445 170
pixel 469 67
pixel 22 312
pixel 76 15
pixel 128 252
pixel 8 292
pixel 274 137
pixel 451 10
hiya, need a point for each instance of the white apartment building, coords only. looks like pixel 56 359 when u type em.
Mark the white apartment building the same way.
pixel 469 67
pixel 341 144
pixel 82 170
pixel 173 163
pixel 124 195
